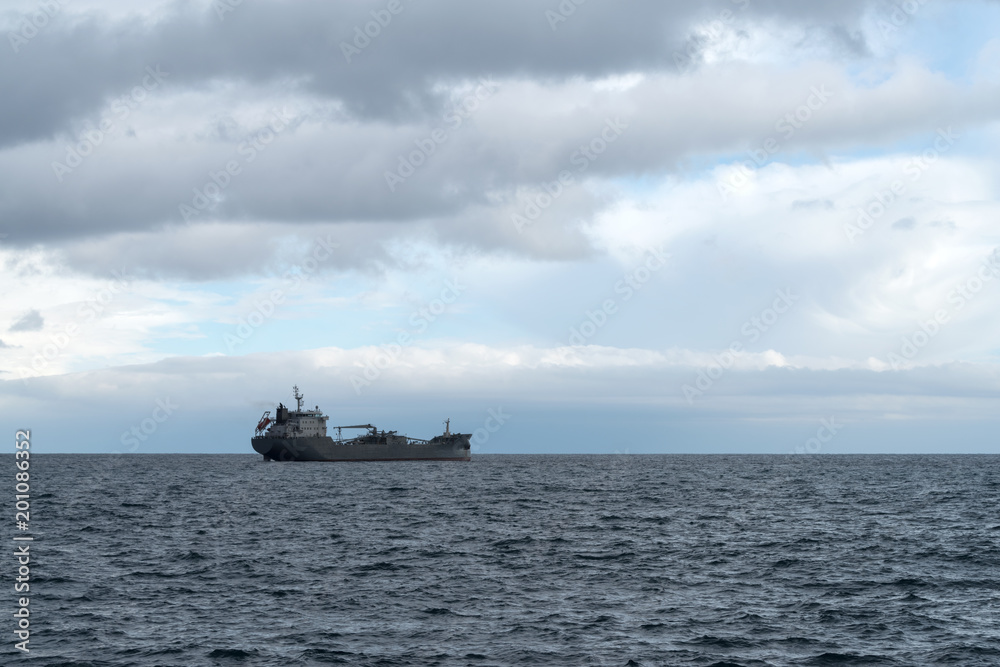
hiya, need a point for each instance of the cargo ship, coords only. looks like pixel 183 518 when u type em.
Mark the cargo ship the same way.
pixel 300 435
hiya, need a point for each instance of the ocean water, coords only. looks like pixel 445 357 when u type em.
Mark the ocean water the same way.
pixel 718 561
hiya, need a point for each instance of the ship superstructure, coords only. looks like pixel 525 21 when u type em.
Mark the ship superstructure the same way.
pixel 301 435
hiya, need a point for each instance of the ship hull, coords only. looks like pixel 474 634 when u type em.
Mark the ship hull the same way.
pixel 324 448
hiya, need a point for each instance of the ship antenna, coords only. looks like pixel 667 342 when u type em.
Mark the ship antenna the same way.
pixel 447 426
pixel 298 397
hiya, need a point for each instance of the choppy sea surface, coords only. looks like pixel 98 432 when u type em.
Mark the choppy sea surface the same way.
pixel 617 560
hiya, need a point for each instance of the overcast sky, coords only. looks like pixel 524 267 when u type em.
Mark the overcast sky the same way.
pixel 650 226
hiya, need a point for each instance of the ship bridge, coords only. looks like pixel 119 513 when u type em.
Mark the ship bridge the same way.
pixel 298 423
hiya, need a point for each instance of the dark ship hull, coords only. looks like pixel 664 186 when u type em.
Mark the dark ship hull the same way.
pixel 454 447
pixel 300 435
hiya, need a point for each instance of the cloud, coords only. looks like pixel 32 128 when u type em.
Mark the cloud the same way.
pixel 31 321
pixel 556 375
pixel 323 170
pixel 394 77
pixel 350 124
pixel 806 204
pixel 857 298
pixel 555 396
pixel 538 151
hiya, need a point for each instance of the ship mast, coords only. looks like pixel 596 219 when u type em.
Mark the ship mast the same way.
pixel 298 398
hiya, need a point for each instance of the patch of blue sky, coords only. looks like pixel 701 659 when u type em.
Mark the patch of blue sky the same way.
pixel 948 36
pixel 971 141
pixel 644 185
pixel 692 168
pixel 913 144
pixel 537 305
pixel 343 310
pixel 864 75
pixel 196 340
pixel 966 141
pixel 305 324
pixel 270 335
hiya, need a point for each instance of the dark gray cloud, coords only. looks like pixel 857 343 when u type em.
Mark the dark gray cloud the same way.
pixel 30 321
pixel 75 65
pixel 193 252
